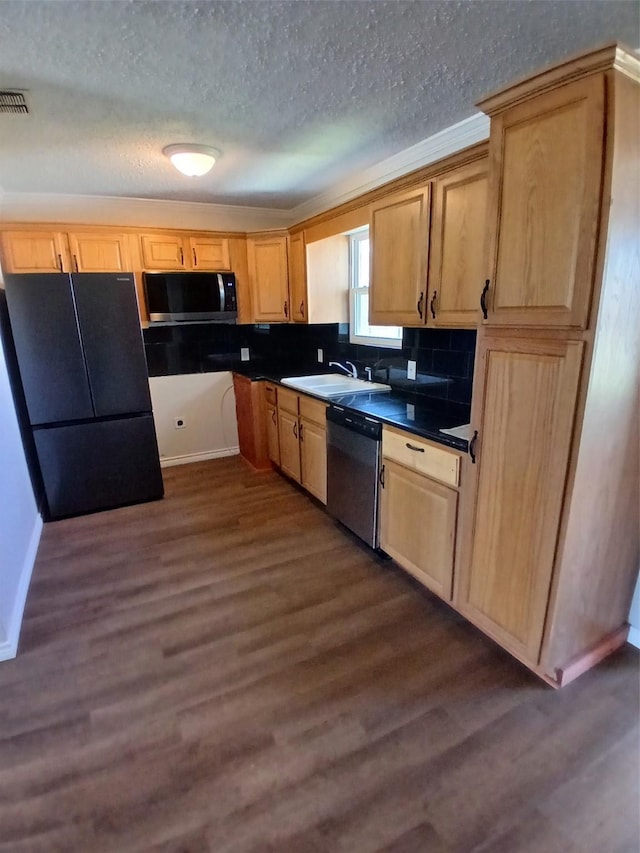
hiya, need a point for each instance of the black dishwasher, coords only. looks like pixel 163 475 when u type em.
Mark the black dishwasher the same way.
pixel 353 468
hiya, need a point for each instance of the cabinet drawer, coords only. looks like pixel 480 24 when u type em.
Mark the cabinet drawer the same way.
pixel 421 455
pixel 270 393
pixel 288 400
pixel 313 410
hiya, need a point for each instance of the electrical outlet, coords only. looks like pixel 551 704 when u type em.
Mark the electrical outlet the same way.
pixel 244 353
pixel 179 423
pixel 320 356
pixel 411 369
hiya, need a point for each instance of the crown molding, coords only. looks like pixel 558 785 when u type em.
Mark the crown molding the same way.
pixel 138 212
pixel 197 216
pixel 449 141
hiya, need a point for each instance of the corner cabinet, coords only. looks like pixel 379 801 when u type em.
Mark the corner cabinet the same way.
pixel 399 234
pixel 297 260
pixel 268 277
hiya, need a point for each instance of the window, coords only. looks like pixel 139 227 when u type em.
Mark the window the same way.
pixel 360 332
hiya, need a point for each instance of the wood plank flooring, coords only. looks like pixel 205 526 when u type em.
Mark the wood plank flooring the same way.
pixel 227 670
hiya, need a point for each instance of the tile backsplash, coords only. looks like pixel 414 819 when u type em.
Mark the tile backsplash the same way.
pixel 444 358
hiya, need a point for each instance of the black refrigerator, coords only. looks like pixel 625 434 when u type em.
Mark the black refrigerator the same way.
pixel 78 348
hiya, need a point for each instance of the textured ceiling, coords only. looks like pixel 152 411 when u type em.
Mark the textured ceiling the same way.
pixel 297 95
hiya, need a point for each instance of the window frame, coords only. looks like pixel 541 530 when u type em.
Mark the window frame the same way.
pixel 356 237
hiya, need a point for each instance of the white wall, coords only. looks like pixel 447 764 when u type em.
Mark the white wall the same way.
pixel 207 404
pixel 20 522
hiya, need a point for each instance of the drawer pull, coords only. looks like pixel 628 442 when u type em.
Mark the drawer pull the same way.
pixel 472 446
pixel 413 447
pixel 483 299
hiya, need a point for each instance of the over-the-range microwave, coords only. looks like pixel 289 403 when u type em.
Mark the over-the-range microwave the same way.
pixel 191 296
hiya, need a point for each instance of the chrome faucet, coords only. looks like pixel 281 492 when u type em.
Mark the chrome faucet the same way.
pixel 352 370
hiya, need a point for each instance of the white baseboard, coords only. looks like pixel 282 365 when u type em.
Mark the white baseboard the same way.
pixel 168 461
pixel 634 637
pixel 9 645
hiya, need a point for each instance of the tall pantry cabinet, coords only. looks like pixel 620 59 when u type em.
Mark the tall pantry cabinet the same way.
pixel 552 543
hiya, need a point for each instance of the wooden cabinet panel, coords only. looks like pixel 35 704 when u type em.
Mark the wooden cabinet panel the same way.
pixel 288 400
pixel 298 278
pixel 421 455
pixel 418 526
pixel 546 171
pixel 34 251
pixel 528 391
pixel 163 252
pixel 313 459
pixel 99 252
pixel 250 412
pixel 289 444
pixel 457 268
pixel 399 234
pixel 209 253
pixel 267 260
pixel 273 439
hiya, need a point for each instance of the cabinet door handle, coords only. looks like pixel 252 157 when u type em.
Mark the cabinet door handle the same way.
pixel 181 257
pixel 432 304
pixel 60 262
pixel 295 430
pixel 472 446
pixel 75 263
pixel 302 307
pixel 301 431
pixel 420 303
pixel 286 308
pixel 273 415
pixel 483 299
pixel 413 447
pixel 381 476
pixel 195 258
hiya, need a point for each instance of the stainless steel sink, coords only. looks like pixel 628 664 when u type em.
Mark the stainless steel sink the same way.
pixel 333 385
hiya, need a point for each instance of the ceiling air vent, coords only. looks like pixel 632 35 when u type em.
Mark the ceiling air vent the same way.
pixel 13 102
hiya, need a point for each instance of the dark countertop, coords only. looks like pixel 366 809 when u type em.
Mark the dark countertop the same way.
pixel 417 414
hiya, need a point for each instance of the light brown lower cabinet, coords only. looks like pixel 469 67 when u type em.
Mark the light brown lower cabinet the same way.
pixel 271 409
pixel 418 525
pixel 303 443
pixel 527 390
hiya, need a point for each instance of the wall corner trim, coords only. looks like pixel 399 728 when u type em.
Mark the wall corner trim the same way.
pixel 9 647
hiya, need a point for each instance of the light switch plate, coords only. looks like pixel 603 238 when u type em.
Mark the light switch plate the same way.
pixel 244 353
pixel 411 369
pixel 320 356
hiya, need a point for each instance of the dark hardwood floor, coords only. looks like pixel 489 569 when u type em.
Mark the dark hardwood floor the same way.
pixel 227 670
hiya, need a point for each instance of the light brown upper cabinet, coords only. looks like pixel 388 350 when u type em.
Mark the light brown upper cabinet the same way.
pixel 268 277
pixel 34 251
pixel 399 234
pixel 184 252
pixel 524 396
pixel 546 157
pixel 98 252
pixel 457 268
pixel 209 253
pixel 297 257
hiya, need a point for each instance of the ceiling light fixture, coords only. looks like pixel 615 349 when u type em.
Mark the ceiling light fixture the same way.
pixel 191 160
